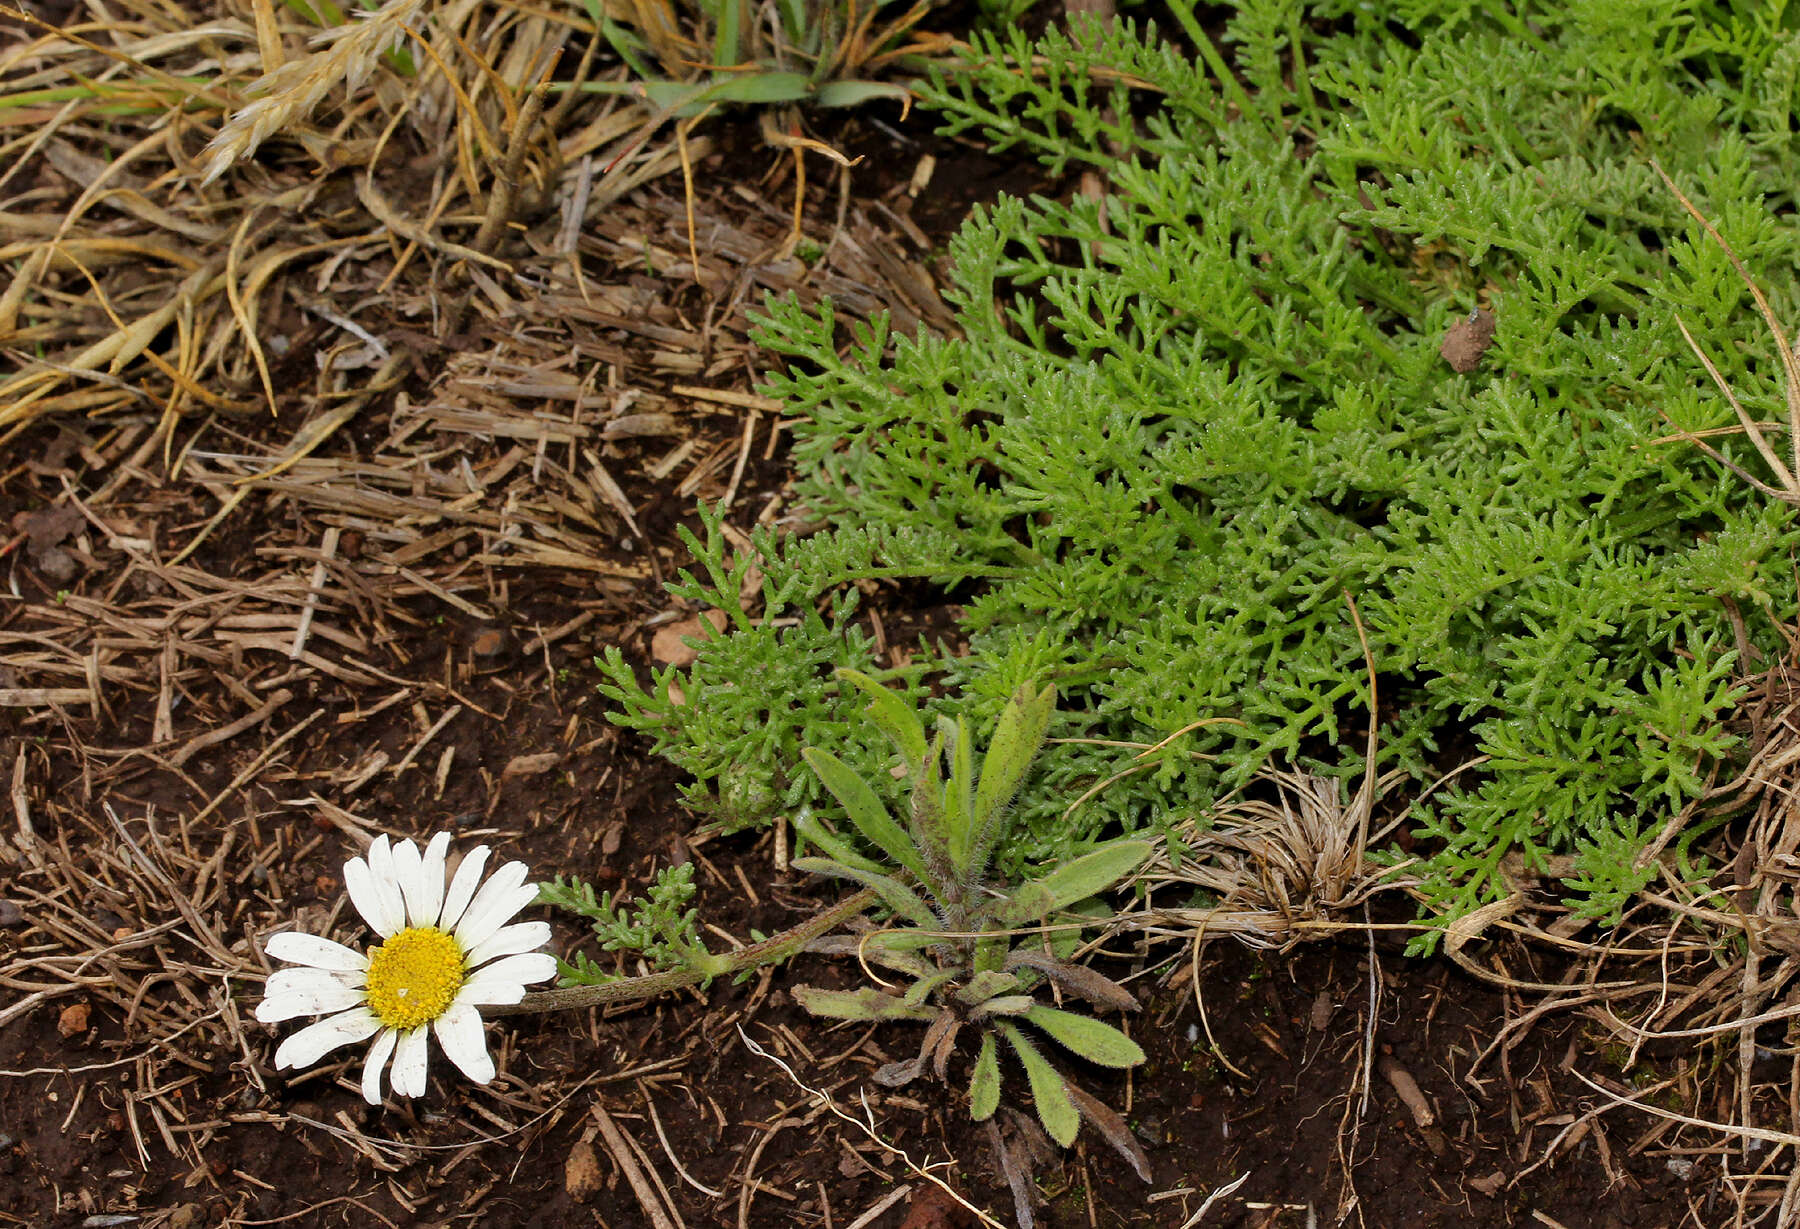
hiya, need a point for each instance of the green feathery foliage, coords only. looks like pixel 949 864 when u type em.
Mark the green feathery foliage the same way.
pixel 1180 424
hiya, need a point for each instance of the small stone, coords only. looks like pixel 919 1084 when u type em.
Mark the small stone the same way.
pixel 489 642
pixel 10 914
pixel 581 1172
pixel 1490 1185
pixel 74 1020
pixel 931 1208
pixel 531 765
pixel 57 565
pixel 1467 340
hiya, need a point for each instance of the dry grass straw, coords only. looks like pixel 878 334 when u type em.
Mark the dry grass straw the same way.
pixel 159 271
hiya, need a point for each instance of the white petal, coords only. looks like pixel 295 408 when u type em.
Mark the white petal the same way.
pixel 459 1032
pixel 409 1063
pixel 385 876
pixel 409 874
pixel 432 892
pixel 287 983
pixel 483 921
pixel 504 981
pixel 313 1042
pixel 462 888
pixel 306 992
pixel 314 951
pixel 503 895
pixel 359 881
pixel 380 1050
pixel 509 941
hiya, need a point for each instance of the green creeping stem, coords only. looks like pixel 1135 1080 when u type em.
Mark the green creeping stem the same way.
pixel 772 950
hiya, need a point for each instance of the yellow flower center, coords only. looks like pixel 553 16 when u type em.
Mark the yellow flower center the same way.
pixel 414 976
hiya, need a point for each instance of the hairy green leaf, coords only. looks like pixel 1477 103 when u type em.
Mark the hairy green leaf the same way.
pixel 807 825
pixel 1002 1005
pixel 856 93
pixel 986 985
pixel 864 1004
pixel 1016 740
pixel 1092 1039
pixel 865 809
pixel 893 716
pixel 962 817
pixel 1073 881
pixel 1055 1109
pixel 984 1084
pixel 894 894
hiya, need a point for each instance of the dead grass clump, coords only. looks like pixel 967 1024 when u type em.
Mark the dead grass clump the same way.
pixel 162 271
pixel 290 91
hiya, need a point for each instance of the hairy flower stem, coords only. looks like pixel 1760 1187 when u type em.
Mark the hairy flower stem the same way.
pixel 772 950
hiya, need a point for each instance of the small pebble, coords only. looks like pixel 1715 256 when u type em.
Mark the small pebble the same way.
pixel 10 914
pixel 74 1020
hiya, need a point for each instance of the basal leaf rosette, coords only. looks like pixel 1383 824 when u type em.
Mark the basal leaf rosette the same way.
pixel 449 947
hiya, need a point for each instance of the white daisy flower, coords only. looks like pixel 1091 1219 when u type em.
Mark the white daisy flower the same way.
pixel 445 952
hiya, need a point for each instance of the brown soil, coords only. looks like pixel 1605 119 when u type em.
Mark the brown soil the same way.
pixel 171 810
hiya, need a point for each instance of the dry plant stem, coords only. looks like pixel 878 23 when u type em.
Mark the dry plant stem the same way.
pixel 631 989
pixel 506 183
